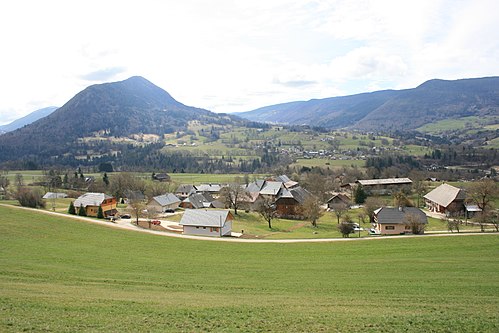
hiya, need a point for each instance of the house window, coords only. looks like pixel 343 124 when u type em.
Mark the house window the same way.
pixel 389 227
pixel 204 228
pixel 197 227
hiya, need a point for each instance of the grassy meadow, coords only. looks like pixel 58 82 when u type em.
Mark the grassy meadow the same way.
pixel 59 275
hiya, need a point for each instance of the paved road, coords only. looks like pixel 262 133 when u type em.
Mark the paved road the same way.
pixel 130 226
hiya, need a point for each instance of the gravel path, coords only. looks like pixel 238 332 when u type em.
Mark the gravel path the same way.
pixel 130 226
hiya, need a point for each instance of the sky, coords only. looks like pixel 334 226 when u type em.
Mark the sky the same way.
pixel 239 55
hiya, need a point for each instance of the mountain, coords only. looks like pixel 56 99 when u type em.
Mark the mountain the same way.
pixel 432 101
pixel 26 120
pixel 117 109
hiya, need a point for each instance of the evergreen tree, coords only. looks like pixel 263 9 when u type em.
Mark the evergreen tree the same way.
pixel 359 195
pixel 100 213
pixel 72 209
pixel 105 179
pixel 81 211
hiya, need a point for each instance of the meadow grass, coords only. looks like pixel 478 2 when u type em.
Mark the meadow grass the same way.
pixel 61 275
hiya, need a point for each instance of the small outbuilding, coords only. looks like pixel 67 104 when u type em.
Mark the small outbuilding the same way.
pixel 215 223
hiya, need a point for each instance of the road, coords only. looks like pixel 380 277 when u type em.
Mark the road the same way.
pixel 130 226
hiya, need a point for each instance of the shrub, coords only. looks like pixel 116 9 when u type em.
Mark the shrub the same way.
pixel 30 198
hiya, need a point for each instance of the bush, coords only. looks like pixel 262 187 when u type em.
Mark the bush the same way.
pixel 30 198
pixel 72 209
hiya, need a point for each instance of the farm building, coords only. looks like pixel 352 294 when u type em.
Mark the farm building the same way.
pixel 185 190
pixel 216 223
pixel 92 201
pixel 289 202
pixel 394 220
pixel 338 199
pixel 201 200
pixel 55 195
pixel 446 199
pixel 379 186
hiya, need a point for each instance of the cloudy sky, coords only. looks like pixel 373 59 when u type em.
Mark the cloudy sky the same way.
pixel 229 56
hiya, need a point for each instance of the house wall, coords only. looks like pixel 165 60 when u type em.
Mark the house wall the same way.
pixel 201 231
pixel 92 210
pixel 227 228
pixel 287 208
pixel 392 229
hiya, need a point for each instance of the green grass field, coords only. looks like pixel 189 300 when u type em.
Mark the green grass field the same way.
pixel 58 275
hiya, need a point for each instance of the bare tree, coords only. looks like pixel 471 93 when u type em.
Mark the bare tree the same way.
pixel 416 223
pixel 137 209
pixel 371 204
pixel 453 224
pixel 339 209
pixel 312 210
pixel 419 187
pixel 400 200
pixel 232 194
pixel 482 193
pixel 267 210
pixel 362 217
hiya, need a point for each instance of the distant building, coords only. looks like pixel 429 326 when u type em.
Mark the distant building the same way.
pixel 216 223
pixel 55 195
pixel 161 177
pixel 379 186
pixel 337 199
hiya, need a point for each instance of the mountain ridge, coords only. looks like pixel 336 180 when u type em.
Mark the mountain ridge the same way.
pixel 431 101
pixel 28 119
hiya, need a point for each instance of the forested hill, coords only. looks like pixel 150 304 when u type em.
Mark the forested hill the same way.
pixel 117 109
pixel 432 101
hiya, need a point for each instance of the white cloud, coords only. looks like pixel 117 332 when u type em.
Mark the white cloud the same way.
pixel 239 55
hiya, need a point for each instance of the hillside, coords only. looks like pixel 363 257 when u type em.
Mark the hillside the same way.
pixel 131 107
pixel 28 119
pixel 432 101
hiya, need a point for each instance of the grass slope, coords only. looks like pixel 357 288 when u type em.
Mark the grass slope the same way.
pixel 63 275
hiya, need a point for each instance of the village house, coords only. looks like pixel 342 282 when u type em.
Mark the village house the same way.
pixel 92 201
pixel 201 200
pixel 212 189
pixel 288 203
pixel 163 203
pixel 185 190
pixel 216 223
pixel 446 199
pixel 394 220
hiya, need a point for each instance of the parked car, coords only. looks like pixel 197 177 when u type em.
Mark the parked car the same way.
pixel 373 231
pixel 126 216
pixel 156 222
pixel 169 210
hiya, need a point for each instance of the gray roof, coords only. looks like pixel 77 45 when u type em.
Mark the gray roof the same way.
pixel 205 218
pixel 386 181
pixel 166 199
pixel 134 195
pixel 255 186
pixel 396 215
pixel 340 196
pixel 211 188
pixel 186 188
pixel 297 193
pixel 91 199
pixel 445 194
pixel 53 195
pixel 271 188
pixel 200 200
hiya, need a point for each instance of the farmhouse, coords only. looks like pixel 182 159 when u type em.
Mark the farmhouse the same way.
pixel 92 201
pixel 446 199
pixel 288 204
pixel 215 223
pixel 213 189
pixel 394 220
pixel 161 177
pixel 185 190
pixel 162 203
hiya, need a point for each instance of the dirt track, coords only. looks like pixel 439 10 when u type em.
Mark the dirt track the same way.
pixel 129 226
